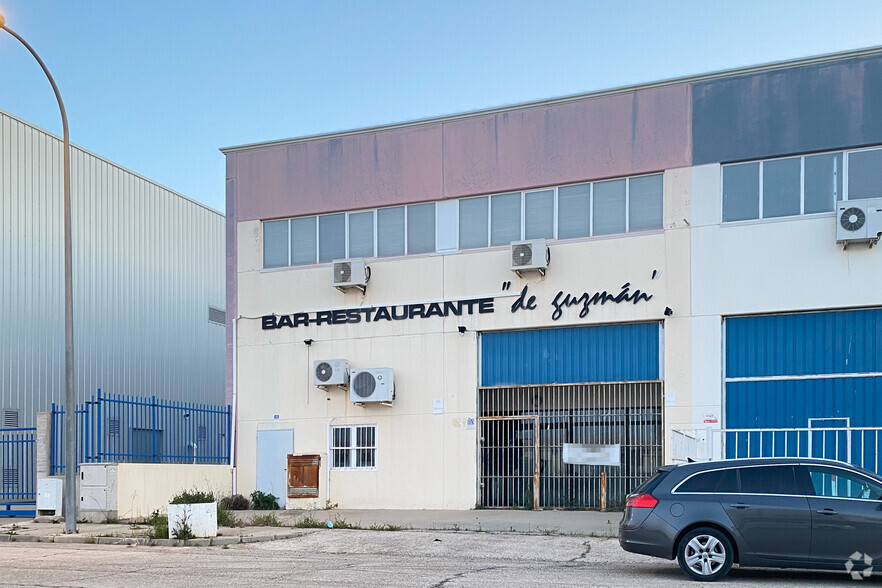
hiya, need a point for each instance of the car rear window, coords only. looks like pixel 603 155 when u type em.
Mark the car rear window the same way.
pixel 716 481
pixel 652 483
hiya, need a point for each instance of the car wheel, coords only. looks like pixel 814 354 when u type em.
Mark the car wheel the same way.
pixel 705 554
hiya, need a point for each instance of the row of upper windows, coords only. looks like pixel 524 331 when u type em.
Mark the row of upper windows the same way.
pixel 806 184
pixel 566 212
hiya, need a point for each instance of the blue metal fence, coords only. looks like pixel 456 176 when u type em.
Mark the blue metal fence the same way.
pixel 126 429
pixel 18 464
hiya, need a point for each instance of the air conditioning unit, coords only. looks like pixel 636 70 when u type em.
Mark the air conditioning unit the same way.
pixel 858 221
pixel 330 372
pixel 351 273
pixel 874 221
pixel 530 255
pixel 372 385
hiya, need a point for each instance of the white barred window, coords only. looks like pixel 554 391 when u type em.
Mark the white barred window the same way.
pixel 354 447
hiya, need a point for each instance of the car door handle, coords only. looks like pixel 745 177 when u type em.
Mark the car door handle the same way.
pixel 827 511
pixel 740 505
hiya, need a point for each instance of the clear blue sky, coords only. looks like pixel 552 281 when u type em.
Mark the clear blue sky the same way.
pixel 159 86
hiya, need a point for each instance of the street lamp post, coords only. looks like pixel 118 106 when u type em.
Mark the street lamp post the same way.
pixel 70 399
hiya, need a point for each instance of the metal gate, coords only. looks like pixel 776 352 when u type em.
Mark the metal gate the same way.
pixel 509 461
pixel 524 430
pixel 18 464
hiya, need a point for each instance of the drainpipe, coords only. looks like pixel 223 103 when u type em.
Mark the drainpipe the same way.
pixel 328 467
pixel 235 428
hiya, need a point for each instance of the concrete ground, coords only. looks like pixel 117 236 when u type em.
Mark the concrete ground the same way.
pixel 340 557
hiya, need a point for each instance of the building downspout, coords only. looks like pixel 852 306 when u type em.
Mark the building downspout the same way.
pixel 328 468
pixel 234 433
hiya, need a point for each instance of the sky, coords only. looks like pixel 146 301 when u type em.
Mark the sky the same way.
pixel 158 87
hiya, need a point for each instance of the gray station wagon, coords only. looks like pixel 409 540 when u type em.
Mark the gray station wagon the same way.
pixel 782 512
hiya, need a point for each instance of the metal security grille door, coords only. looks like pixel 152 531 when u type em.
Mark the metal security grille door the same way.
pixel 525 429
pixel 509 460
pixel 594 394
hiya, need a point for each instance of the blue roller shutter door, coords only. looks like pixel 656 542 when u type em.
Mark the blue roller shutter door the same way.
pixel 783 370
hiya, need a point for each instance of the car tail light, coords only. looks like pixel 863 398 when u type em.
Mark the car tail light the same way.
pixel 642 501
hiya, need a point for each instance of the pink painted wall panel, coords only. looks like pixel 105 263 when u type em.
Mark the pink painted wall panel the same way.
pixel 625 134
pixel 357 171
pixel 605 137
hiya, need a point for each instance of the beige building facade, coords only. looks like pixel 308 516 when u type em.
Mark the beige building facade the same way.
pixel 525 389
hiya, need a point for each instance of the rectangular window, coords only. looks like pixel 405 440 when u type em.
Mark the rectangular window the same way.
pixel 578 211
pixel 645 203
pixel 539 215
pixel 390 232
pixel 808 184
pixel 609 207
pixel 741 192
pixel 332 237
pixel 473 215
pixel 275 243
pixel 361 234
pixel 303 240
pixel 574 211
pixel 865 174
pixel 366 447
pixel 838 483
pixel 823 182
pixel 354 447
pixel 781 187
pixel 421 228
pixel 505 218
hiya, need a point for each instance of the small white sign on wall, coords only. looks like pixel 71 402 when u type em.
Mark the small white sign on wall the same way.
pixel 438 406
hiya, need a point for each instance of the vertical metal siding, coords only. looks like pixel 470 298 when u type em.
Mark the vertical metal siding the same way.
pixel 608 353
pixel 814 343
pixel 147 264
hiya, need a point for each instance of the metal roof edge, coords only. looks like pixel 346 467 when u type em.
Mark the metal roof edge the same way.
pixel 690 79
pixel 108 162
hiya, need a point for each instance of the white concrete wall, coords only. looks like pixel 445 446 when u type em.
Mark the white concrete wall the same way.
pixel 427 460
pixel 145 487
pixel 766 266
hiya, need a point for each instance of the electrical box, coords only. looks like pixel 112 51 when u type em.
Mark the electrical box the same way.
pixel 50 492
pixel 98 491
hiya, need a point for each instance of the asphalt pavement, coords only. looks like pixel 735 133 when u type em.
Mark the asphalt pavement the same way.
pixel 340 557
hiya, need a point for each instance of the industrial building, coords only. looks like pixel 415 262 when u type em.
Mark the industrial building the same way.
pixel 537 305
pixel 148 279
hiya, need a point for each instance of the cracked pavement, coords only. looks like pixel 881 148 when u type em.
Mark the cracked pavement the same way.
pixel 368 558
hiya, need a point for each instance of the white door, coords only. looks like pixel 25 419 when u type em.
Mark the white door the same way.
pixel 273 448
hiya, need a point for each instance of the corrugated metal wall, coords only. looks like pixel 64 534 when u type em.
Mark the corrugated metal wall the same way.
pixel 147 265
pixel 607 353
pixel 776 404
pixel 806 343
pixel 764 353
